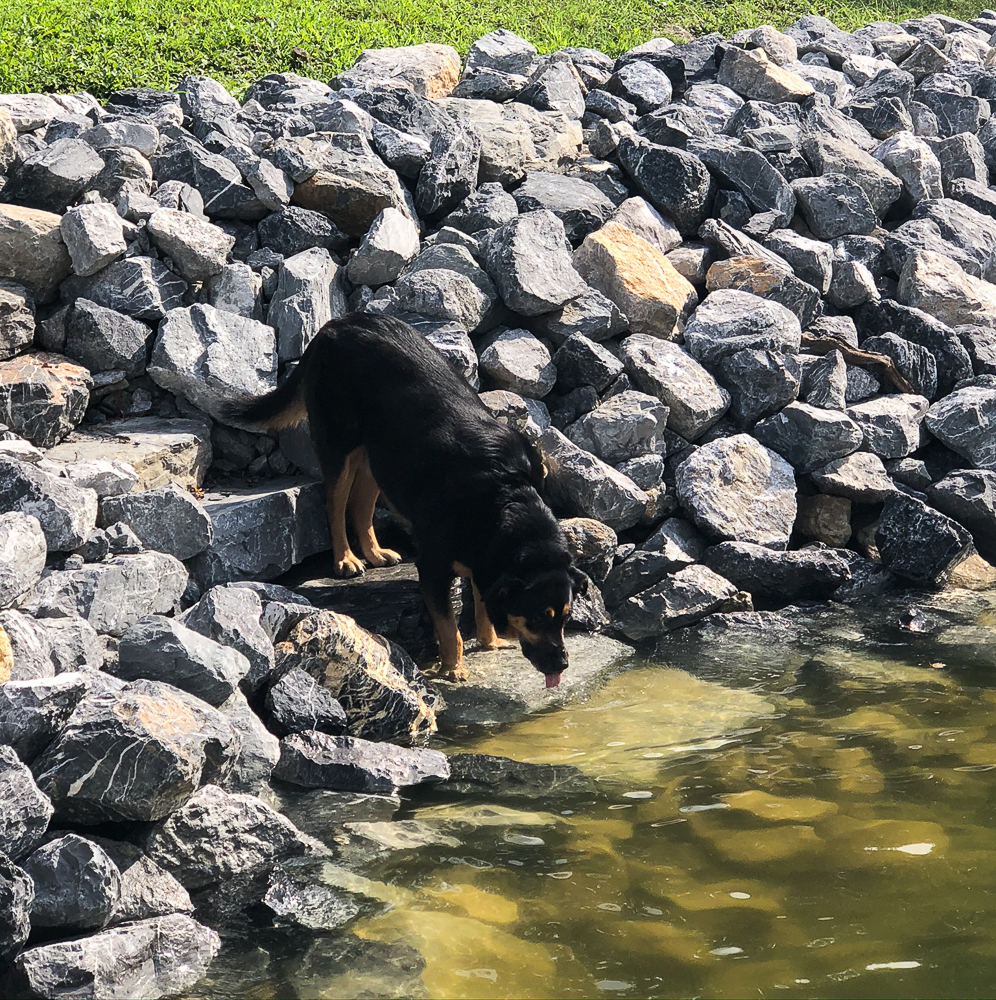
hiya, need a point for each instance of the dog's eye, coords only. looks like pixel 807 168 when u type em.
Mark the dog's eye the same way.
pixel 550 613
pixel 567 610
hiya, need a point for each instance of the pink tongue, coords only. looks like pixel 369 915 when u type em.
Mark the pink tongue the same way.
pixel 552 680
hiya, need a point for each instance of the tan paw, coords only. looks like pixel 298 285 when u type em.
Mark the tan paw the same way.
pixel 383 557
pixel 348 566
pixel 497 644
pixel 457 673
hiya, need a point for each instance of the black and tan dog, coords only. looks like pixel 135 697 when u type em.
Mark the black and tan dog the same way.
pixel 387 412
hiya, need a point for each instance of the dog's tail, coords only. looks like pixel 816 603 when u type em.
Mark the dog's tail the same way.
pixel 284 407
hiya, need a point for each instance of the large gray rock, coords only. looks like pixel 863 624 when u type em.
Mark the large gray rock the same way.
pixel 167 519
pixel 16 895
pixel 688 595
pixel 146 889
pixel 784 576
pixel 389 244
pixel 217 836
pixel 197 248
pixel 915 363
pixel 260 532
pixel 919 543
pixel 32 250
pixel 584 486
pixel 161 649
pixel 659 367
pixel 309 293
pixel 735 489
pixel 344 763
pixel 24 809
pixel 577 203
pixel 94 236
pixel 113 595
pixel 528 260
pixel 159 957
pixel 25 653
pixel 759 383
pixel 66 513
pixel 966 422
pixel 755 77
pixel 167 741
pixel 830 155
pixel 260 749
pixel 808 436
pixel 517 361
pixel 449 174
pixel 77 886
pixel 751 174
pixel 970 498
pixel 142 287
pixel 214 358
pixel 834 205
pixel 102 339
pixel 860 477
pixel 22 556
pixel 232 616
pixel 625 426
pixel 297 702
pixel 17 318
pixel 728 321
pixel 43 396
pixel 580 362
pixel 54 176
pixel 891 424
pixel 32 712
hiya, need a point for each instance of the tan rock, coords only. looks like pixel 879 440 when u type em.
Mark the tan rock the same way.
pixel 6 658
pixel 827 519
pixel 432 70
pixel 161 451
pixel 592 544
pixel 755 77
pixel 638 278
pixel 43 396
pixel 32 252
pixel 973 574
pixel 938 285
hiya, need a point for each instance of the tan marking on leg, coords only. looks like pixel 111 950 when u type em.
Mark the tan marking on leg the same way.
pixel 345 563
pixel 450 645
pixel 6 658
pixel 461 570
pixel 362 501
pixel 487 638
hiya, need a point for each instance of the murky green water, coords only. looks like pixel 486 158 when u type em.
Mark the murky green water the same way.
pixel 770 820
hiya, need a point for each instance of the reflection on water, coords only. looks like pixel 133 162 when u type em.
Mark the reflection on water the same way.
pixel 775 824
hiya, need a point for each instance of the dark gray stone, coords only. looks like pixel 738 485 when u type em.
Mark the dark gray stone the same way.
pixel 306 893
pixel 54 176
pixel 113 595
pixel 966 422
pixel 625 426
pixel 918 543
pixel 969 496
pixel 294 229
pixel 811 573
pixel 162 649
pixel 580 362
pixel 759 383
pixel 217 836
pixel 590 315
pixel 642 85
pixel 834 205
pixel 980 342
pixel 167 742
pixel 808 436
pixel 728 321
pixel 750 173
pixel 676 182
pixel 259 752
pixel 167 519
pixel 450 173
pixel 578 204
pixel 528 260
pixel 555 87
pixel 481 775
pixel 685 597
pixel 23 550
pixel 517 361
pixel 77 886
pixel 489 207
pixel 914 362
pixel 103 339
pixel 66 513
pixel 32 712
pixel 16 896
pixel 829 155
pixel 297 702
pixel 891 424
pixel 811 260
pixel 345 763
pixel 639 571
pixel 162 956
pixel 146 889
pixel 141 287
pixel 25 810
pixel 860 476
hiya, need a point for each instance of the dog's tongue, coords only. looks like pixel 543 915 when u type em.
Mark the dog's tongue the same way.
pixel 552 680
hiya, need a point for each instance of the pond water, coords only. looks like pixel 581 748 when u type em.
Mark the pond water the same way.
pixel 772 816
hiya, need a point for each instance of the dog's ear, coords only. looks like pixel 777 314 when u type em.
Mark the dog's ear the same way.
pixel 579 581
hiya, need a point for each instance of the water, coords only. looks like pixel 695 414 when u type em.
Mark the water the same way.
pixel 770 818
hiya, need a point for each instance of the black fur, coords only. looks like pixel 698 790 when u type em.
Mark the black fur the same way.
pixel 470 486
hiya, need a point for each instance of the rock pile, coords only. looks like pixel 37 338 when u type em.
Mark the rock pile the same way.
pixel 737 290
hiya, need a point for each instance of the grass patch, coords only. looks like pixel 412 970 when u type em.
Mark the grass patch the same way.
pixel 104 45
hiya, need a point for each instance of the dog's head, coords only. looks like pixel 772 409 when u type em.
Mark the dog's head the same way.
pixel 533 608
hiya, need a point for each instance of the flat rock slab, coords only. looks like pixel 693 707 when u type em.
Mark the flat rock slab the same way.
pixel 503 686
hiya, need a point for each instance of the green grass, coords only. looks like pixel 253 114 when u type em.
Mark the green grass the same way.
pixel 103 45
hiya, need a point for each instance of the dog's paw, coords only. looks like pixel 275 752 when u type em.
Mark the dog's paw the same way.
pixel 498 644
pixel 383 557
pixel 348 566
pixel 457 673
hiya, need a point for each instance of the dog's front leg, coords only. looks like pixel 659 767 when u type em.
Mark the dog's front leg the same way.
pixel 435 583
pixel 487 637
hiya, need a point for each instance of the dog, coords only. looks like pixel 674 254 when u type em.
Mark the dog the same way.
pixel 387 412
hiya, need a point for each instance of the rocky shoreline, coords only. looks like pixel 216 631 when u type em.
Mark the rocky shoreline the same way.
pixel 737 290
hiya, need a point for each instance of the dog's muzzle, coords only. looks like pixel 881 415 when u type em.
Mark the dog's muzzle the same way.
pixel 550 660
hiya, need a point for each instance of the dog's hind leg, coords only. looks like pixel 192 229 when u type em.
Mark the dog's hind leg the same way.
pixel 337 489
pixel 435 584
pixel 362 502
